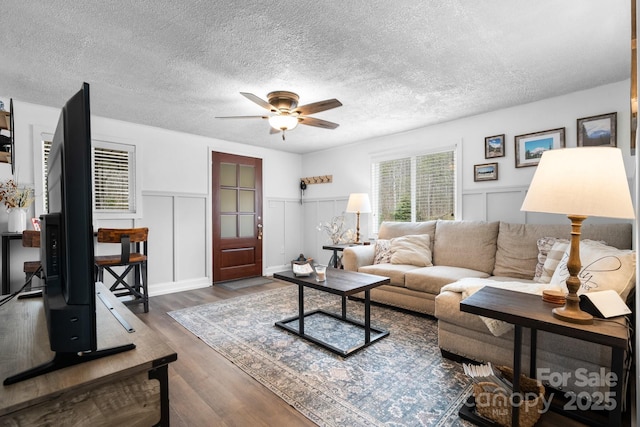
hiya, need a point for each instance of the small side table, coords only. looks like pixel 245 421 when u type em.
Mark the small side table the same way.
pixel 339 247
pixel 530 311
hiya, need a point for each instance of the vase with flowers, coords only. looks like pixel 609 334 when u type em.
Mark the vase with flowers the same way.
pixel 336 230
pixel 17 199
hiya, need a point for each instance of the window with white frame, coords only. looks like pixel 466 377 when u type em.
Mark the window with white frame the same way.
pixel 113 176
pixel 414 188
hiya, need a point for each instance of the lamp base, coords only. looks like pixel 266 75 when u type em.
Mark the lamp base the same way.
pixel 572 315
pixel 571 311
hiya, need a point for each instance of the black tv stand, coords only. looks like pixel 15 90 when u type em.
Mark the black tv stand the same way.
pixel 64 360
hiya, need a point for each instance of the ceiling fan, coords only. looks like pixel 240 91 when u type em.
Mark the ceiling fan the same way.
pixel 285 111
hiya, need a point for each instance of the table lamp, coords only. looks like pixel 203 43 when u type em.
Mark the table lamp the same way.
pixel 358 203
pixel 579 182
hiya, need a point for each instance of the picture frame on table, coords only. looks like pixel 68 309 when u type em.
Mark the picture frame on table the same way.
pixel 485 172
pixel 598 131
pixel 494 146
pixel 530 146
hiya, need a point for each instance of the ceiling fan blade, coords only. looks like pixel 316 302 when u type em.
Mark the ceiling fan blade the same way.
pixel 261 102
pixel 242 117
pixel 272 130
pixel 316 107
pixel 312 121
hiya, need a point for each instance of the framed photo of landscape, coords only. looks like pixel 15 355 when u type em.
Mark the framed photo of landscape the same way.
pixel 530 146
pixel 485 172
pixel 597 131
pixel 494 146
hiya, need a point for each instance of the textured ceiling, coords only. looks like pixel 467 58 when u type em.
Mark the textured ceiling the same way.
pixel 395 66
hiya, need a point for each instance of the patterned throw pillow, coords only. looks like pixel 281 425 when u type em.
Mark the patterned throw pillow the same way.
pixel 554 255
pixel 382 252
pixel 603 267
pixel 544 246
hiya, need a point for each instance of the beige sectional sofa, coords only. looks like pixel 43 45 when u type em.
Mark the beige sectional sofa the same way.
pixel 485 251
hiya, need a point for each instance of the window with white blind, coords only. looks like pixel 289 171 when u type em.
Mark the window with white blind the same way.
pixel 113 176
pixel 414 188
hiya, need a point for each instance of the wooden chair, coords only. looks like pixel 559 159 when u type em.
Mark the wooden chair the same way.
pixel 31 239
pixel 130 257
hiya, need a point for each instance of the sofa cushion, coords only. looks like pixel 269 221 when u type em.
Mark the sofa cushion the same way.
pixel 395 272
pixel 391 229
pixel 448 310
pixel 413 249
pixel 517 247
pixel 382 254
pixel 466 244
pixel 431 279
pixel 603 267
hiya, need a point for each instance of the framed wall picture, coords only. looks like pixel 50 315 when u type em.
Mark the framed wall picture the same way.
pixel 494 146
pixel 596 131
pixel 485 172
pixel 530 146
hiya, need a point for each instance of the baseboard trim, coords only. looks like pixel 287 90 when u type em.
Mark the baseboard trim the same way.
pixel 183 285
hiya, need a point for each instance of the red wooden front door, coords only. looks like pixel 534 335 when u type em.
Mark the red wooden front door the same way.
pixel 237 217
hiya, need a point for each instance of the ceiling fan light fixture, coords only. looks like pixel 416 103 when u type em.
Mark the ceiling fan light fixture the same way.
pixel 283 122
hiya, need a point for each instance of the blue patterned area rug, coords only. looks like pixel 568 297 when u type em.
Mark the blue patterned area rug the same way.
pixel 401 380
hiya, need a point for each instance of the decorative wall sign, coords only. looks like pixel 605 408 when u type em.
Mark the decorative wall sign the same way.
pixel 530 146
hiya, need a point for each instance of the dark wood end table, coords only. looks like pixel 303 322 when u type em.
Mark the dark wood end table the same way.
pixel 530 311
pixel 339 247
pixel 342 283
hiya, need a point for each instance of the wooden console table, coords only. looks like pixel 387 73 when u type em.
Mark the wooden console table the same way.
pixel 129 388
pixel 530 311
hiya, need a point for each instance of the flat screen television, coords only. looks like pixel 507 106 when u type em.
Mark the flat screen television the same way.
pixel 66 244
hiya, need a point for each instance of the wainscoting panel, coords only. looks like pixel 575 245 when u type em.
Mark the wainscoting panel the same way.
pixel 159 218
pixel 494 204
pixel 274 245
pixel 474 206
pixel 191 252
pixel 322 211
pixel 505 206
pixel 178 241
pixel 282 237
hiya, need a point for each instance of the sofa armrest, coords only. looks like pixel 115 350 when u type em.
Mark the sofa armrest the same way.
pixel 355 257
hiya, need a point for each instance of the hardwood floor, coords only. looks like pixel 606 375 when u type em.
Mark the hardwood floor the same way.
pixel 205 389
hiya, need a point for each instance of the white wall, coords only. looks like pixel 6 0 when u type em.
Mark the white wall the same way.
pixel 176 186
pixel 488 200
pixel 176 179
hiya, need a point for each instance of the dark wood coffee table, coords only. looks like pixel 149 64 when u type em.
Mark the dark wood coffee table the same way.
pixel 530 311
pixel 339 282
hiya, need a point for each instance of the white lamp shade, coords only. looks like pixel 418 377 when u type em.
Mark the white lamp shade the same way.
pixel 587 181
pixel 359 202
pixel 283 122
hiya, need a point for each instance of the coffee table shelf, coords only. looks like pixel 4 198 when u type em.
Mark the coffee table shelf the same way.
pixel 342 283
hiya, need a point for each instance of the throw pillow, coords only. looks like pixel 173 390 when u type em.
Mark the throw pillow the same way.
pixel 414 249
pixel 545 244
pixel 603 267
pixel 382 252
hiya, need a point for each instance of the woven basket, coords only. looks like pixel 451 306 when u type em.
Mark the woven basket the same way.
pixel 497 406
